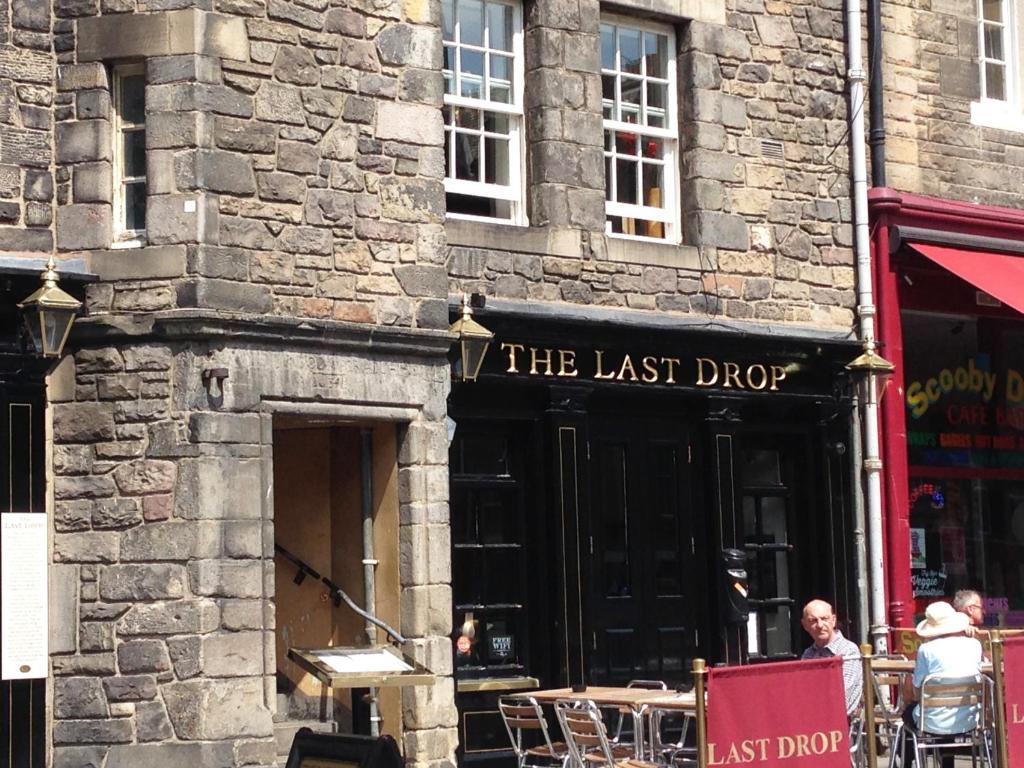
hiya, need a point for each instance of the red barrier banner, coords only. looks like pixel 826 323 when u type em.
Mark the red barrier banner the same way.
pixel 1013 697
pixel 788 714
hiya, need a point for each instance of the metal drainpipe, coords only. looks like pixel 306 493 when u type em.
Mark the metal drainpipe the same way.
pixel 866 310
pixel 876 133
pixel 860 564
pixel 369 561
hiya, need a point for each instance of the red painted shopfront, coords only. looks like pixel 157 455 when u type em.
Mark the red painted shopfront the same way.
pixel 950 295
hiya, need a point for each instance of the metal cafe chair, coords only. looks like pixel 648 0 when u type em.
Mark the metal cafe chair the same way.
pixel 587 738
pixel 888 715
pixel 524 721
pixel 625 713
pixel 940 691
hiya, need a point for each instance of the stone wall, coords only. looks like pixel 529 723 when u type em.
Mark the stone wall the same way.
pixel 294 161
pixel 163 520
pixel 765 239
pixel 26 125
pixel 931 80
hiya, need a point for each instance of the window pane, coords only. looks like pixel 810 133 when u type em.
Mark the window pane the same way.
pixel 496 162
pixel 499 20
pixel 133 99
pixel 472 73
pixel 471 22
pixel 993 10
pixel 652 147
pixel 608 96
pixel 626 181
pixel 609 178
pixel 652 185
pixel 135 205
pixel 629 50
pixel 467 155
pixel 625 143
pixel 631 90
pixel 448 19
pixel 657 98
pixel 467 118
pixel 478 206
pixel 496 122
pixel 607 46
pixel 656 54
pixel 135 153
pixel 762 467
pixel 501 79
pixel 993 42
pixel 995 81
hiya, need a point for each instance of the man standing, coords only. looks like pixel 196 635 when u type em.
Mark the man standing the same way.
pixel 819 621
pixel 969 603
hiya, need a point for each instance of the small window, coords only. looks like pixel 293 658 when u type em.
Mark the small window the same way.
pixel 1000 32
pixel 129 97
pixel 483 109
pixel 638 82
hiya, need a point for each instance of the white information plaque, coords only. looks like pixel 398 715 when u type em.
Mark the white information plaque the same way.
pixel 23 608
pixel 375 660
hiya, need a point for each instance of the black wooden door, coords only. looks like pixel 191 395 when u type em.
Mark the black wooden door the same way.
pixel 22 489
pixel 641 580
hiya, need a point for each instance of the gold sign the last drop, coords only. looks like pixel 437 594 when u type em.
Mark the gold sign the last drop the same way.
pixel 522 359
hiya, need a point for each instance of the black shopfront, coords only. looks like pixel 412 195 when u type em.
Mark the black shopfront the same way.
pixel 597 472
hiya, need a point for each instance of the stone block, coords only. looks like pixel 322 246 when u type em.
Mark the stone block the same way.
pixel 243 539
pixel 237 615
pixel 142 582
pixel 222 294
pixel 79 757
pixel 184 218
pixel 85 547
pixel 280 187
pixel 721 229
pixel 38 186
pixel 430 706
pixel 409 45
pixel 325 207
pixel 296 65
pixel 426 610
pixel 160 541
pixel 83 226
pixel 958 78
pixel 92 664
pixel 186 655
pixel 92 182
pixel 173 618
pixel 145 476
pixel 411 123
pixel 422 281
pixel 152 724
pixel 210 709
pixel 168 754
pixel 116 513
pixel 83 141
pixel 296 157
pixel 223 171
pixel 92 731
pixel 137 656
pixel 278 103
pixel 222 578
pixel 130 687
pixel 76 698
pixel 235 654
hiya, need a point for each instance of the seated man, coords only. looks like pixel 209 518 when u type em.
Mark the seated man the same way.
pixel 946 651
pixel 819 621
pixel 970 603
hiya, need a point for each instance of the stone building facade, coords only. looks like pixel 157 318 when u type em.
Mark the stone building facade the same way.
pixel 275 255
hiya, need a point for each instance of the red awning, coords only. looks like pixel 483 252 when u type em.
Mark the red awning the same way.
pixel 997 274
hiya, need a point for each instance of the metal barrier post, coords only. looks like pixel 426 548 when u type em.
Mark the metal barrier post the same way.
pixel 700 672
pixel 997 675
pixel 869 706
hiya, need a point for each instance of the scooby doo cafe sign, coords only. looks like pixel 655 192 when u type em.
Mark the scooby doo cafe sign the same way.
pixel 646 367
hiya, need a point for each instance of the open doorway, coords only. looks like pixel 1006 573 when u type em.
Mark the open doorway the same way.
pixel 322 473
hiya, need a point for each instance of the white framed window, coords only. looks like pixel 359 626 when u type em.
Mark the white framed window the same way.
pixel 999 66
pixel 483 109
pixel 641 137
pixel 128 84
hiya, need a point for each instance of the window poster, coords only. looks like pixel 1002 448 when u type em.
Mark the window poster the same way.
pixel 918 548
pixel 23 608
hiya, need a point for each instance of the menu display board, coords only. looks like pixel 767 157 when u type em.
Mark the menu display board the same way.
pixel 24 627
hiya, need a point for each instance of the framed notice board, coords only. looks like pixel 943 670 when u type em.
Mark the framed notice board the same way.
pixel 327 750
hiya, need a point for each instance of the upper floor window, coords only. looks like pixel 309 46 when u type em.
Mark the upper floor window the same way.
pixel 129 121
pixel 483 109
pixel 638 81
pixel 999 64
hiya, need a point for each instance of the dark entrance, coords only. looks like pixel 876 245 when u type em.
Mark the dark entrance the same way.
pixel 641 551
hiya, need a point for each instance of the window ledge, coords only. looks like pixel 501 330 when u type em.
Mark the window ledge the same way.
pixel 509 237
pixel 633 251
pixel 154 262
pixel 710 11
pixel 996 114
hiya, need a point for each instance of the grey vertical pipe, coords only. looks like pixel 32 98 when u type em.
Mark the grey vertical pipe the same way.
pixel 860 559
pixel 369 560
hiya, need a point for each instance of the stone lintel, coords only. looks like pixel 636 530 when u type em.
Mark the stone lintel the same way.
pixel 162 33
pixel 710 11
pixel 659 254
pixel 507 237
pixel 147 263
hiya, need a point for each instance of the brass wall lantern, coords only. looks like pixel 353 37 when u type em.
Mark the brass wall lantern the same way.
pixel 473 339
pixel 48 314
pixel 875 369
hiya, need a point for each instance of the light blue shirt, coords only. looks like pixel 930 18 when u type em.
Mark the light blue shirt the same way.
pixel 956 656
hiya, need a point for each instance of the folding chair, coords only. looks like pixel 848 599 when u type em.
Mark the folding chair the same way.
pixel 967 693
pixel 587 738
pixel 625 713
pixel 888 715
pixel 524 721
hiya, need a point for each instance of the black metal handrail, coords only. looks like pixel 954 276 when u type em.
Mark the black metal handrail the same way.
pixel 304 569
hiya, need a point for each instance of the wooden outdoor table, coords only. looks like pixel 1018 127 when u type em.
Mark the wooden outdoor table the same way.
pixel 894 666
pixel 608 696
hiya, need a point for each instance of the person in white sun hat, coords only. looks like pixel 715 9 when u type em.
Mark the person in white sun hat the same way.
pixel 946 651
